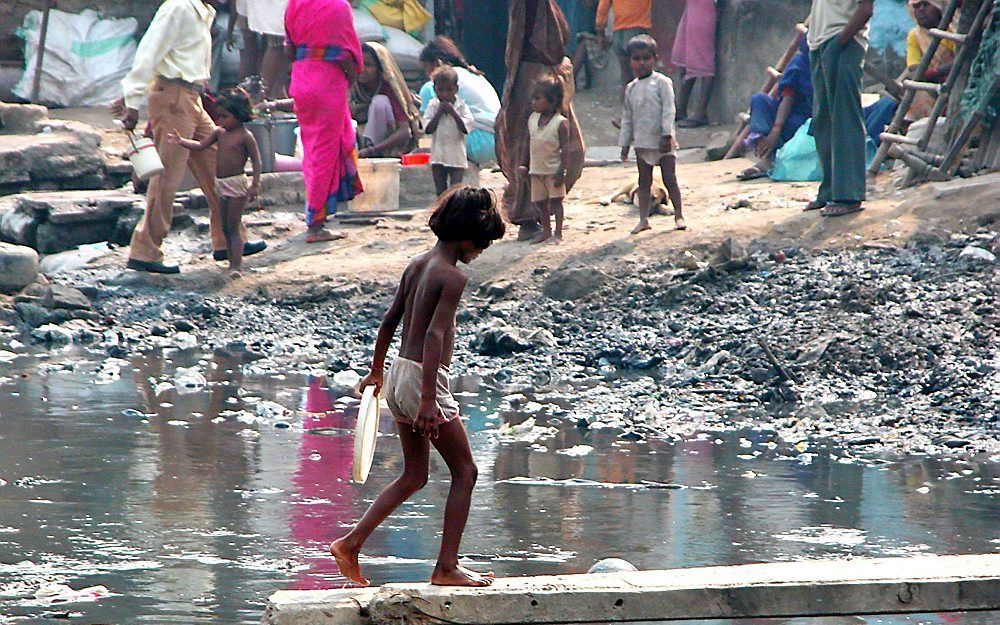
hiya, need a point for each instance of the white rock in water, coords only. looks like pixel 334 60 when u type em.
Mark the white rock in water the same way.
pixel 576 450
pixel 348 377
pixel 612 565
pixel 189 380
pixel 271 410
pixel 978 253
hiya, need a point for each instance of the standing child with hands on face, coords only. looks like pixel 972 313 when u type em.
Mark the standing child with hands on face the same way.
pixel 236 145
pixel 547 156
pixel 448 119
pixel 648 125
pixel 466 221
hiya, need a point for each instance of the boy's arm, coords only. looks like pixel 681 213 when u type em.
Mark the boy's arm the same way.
pixel 560 177
pixel 190 144
pixel 601 21
pixel 386 330
pixel 432 117
pixel 230 26
pixel 526 150
pixel 254 151
pixel 625 135
pixel 858 20
pixel 428 417
pixel 463 116
pixel 668 113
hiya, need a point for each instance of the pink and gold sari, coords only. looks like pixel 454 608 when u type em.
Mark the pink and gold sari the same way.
pixel 322 33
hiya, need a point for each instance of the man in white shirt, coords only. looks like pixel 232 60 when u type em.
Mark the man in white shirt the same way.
pixel 173 62
pixel 838 40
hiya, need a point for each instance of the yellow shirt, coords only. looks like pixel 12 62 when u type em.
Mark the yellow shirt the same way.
pixel 178 44
pixel 914 51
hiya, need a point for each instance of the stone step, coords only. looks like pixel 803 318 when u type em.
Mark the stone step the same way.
pixel 809 588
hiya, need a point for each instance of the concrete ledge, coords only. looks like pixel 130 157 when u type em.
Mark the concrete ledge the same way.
pixel 787 589
pixel 319 607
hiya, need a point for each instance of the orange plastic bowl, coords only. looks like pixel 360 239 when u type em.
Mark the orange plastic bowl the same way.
pixel 410 160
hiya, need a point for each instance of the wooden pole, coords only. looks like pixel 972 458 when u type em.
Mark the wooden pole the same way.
pixel 40 55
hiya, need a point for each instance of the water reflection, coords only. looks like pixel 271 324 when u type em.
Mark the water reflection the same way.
pixel 194 507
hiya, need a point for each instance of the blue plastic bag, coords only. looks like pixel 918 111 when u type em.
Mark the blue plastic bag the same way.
pixel 798 161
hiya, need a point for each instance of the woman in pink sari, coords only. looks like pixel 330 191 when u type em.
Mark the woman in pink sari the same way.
pixel 327 60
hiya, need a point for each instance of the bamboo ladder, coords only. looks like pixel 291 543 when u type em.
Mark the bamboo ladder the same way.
pixel 770 87
pixel 914 151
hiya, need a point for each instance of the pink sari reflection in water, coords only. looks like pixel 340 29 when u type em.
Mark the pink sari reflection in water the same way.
pixel 323 485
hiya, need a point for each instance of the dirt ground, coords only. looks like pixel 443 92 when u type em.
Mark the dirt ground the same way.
pixel 716 207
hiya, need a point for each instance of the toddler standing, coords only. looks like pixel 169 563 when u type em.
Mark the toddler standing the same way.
pixel 648 124
pixel 448 119
pixel 548 134
pixel 235 146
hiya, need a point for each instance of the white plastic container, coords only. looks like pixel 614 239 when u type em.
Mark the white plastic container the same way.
pixel 145 159
pixel 380 178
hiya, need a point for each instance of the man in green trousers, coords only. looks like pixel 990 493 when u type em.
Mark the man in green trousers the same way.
pixel 838 40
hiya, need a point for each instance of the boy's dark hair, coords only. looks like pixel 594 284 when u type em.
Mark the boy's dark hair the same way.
pixel 551 89
pixel 446 74
pixel 468 214
pixel 237 102
pixel 640 43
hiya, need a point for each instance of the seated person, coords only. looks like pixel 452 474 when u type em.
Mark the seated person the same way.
pixel 383 106
pixel 927 15
pixel 775 120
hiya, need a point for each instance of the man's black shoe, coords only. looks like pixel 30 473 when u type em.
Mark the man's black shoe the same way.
pixel 249 249
pixel 151 267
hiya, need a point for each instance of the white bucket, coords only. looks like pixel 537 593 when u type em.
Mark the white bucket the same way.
pixel 380 178
pixel 145 160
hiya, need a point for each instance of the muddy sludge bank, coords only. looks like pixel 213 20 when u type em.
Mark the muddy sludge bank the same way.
pixel 885 350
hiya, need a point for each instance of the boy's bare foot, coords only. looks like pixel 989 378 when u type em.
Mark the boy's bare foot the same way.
pixel 542 238
pixel 679 224
pixel 557 237
pixel 643 225
pixel 459 576
pixel 347 562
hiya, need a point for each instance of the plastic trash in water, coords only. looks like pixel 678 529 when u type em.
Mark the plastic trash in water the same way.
pixel 189 380
pixel 576 451
pixel 271 410
pixel 61 593
pixel 348 377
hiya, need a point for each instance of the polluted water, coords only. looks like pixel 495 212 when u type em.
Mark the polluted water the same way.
pixel 180 489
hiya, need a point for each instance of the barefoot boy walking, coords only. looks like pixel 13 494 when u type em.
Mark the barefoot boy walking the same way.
pixel 466 222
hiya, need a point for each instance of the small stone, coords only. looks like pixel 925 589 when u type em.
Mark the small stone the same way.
pixel 732 249
pixel 53 334
pixel 18 266
pixel 574 284
pixel 977 253
pixel 159 330
pixel 183 325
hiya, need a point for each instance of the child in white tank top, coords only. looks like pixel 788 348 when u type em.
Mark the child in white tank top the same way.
pixel 547 156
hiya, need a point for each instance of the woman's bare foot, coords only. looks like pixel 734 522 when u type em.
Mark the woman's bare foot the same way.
pixel 542 238
pixel 318 236
pixel 459 576
pixel 643 225
pixel 679 224
pixel 347 562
